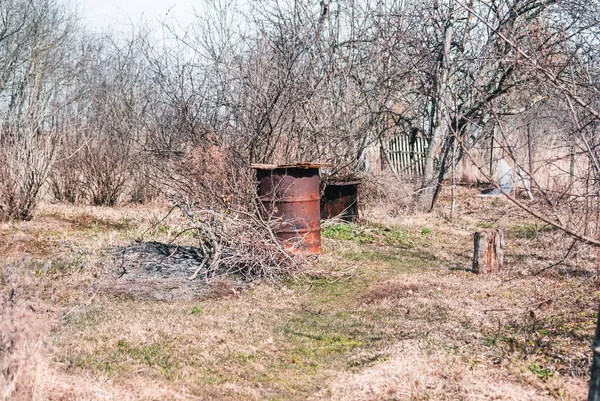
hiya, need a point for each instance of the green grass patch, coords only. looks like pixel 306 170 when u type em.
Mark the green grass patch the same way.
pixel 59 265
pixel 122 358
pixel 153 355
pixel 541 372
pixel 529 231
pixel 163 229
pixel 364 234
pixel 317 338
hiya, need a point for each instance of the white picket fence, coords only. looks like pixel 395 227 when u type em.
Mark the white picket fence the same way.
pixel 405 159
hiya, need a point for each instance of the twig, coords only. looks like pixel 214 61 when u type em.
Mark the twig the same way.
pixel 139 239
pixel 193 276
pixel 89 301
pixel 560 261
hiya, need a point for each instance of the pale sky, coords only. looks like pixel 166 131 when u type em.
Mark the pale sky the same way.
pixel 114 13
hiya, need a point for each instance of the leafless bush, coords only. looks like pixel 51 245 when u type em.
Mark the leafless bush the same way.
pixel 209 175
pixel 141 188
pixel 65 179
pixel 105 166
pixel 26 159
pixel 34 53
pixel 386 193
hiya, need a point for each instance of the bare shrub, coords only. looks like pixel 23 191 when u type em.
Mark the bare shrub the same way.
pixel 26 159
pixel 385 194
pixel 65 179
pixel 105 171
pixel 208 175
pixel 34 60
pixel 204 174
pixel 141 187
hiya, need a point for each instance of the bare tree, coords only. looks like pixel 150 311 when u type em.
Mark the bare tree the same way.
pixel 35 45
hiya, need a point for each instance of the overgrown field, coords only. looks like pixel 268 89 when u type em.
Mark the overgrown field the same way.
pixel 388 312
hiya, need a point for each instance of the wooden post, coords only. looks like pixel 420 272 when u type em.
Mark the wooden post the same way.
pixel 488 255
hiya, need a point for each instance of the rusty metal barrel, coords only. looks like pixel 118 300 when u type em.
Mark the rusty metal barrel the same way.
pixel 290 195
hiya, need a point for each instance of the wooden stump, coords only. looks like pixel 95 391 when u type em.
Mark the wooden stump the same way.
pixel 488 255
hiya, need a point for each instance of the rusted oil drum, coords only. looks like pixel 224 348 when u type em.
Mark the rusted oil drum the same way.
pixel 290 194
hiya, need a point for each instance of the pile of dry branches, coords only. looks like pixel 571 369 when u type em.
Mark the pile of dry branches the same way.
pixel 237 243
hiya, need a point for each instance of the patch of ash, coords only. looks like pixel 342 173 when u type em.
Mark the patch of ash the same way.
pixel 159 259
pixel 158 271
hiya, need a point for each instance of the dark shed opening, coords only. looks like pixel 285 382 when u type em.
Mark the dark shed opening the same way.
pixel 340 199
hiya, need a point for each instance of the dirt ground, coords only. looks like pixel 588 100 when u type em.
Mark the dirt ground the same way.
pixel 390 311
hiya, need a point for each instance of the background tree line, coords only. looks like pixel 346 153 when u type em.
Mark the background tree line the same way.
pixel 108 117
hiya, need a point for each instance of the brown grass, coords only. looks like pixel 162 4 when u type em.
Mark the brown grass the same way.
pixel 416 372
pixel 372 320
pixel 391 289
pixel 24 334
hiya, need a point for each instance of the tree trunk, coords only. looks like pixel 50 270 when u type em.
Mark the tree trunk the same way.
pixel 488 255
pixel 438 130
pixel 530 151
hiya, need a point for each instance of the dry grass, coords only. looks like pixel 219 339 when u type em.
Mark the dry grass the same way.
pixel 24 334
pixel 414 371
pixel 389 312
pixel 391 290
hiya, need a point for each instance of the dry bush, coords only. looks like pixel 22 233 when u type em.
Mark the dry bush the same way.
pixel 102 174
pixel 106 166
pixel 25 163
pixel 65 179
pixel 141 188
pixel 385 194
pixel 209 175
pixel 98 171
